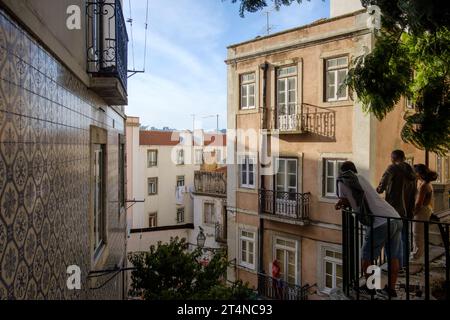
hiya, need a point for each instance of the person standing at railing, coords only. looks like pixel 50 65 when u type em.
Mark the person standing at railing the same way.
pixel 422 209
pixel 355 191
pixel 399 183
pixel 277 284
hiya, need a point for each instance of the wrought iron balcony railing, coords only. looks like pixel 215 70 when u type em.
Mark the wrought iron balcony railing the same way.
pixel 221 232
pixel 285 204
pixel 427 277
pixel 107 40
pixel 213 183
pixel 277 289
pixel 305 118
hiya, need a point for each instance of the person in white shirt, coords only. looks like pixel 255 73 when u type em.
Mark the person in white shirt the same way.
pixel 356 192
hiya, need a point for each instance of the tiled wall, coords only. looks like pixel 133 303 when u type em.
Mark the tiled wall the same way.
pixel 45 116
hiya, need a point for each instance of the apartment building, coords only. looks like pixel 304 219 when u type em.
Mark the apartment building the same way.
pixel 287 89
pixel 161 169
pixel 62 190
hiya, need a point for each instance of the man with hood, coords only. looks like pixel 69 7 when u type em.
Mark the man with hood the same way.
pixel 399 183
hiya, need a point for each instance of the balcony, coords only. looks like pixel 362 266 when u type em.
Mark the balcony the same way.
pixel 221 232
pixel 210 183
pixel 276 289
pixel 428 279
pixel 107 50
pixel 285 206
pixel 304 119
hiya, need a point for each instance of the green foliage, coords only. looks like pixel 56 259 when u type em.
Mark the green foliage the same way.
pixel 256 5
pixel 171 272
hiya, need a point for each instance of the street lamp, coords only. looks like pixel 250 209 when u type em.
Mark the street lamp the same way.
pixel 201 238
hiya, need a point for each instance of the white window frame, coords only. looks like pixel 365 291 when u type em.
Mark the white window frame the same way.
pixel 155 162
pixel 334 177
pixel 180 156
pixel 181 181
pixel 247 240
pixel 323 259
pixel 288 248
pixel 153 216
pixel 247 84
pixel 212 212
pixel 285 74
pixel 336 85
pixel 287 174
pixel 180 215
pixel 155 183
pixel 198 156
pixel 244 166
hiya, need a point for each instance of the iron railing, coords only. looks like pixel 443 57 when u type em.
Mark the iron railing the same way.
pixel 284 204
pixel 220 232
pixel 107 40
pixel 415 281
pixel 306 118
pixel 278 289
pixel 214 183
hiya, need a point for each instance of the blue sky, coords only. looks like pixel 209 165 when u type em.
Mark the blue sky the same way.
pixel 186 49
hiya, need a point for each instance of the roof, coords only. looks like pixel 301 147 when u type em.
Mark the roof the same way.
pixel 315 23
pixel 159 138
pixel 172 138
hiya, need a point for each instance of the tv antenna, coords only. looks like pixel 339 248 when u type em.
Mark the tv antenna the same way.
pixel 130 21
pixel 269 27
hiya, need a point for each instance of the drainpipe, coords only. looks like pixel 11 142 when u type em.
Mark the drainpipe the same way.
pixel 264 67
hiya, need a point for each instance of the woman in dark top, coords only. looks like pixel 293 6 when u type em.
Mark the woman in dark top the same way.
pixel 422 209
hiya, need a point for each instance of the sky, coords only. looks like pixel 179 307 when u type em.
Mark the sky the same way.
pixel 185 73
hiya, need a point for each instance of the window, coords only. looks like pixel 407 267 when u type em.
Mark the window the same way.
pixel 152 186
pixel 287 91
pixel 180 157
pixel 121 171
pixel 180 215
pixel 208 213
pixel 443 169
pixel 247 172
pixel 152 220
pixel 335 72
pixel 286 254
pixel 247 91
pixel 198 156
pixel 99 197
pixel 331 172
pixel 180 181
pixel 247 249
pixel 152 158
pixel 332 269
pixel 286 178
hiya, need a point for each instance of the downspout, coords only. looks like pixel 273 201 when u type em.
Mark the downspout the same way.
pixel 264 67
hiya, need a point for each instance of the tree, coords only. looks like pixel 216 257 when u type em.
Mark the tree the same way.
pixel 411 58
pixel 171 272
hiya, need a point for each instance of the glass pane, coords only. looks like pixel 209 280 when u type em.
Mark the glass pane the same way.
pixel 243 175
pixel 338 270
pixel 251 89
pixel 342 62
pixel 330 185
pixel 329 253
pixel 328 281
pixel 250 258
pixel 292 167
pixel 291 84
pixel 342 90
pixel 292 96
pixel 338 255
pixel 331 63
pixel 244 91
pixel 328 267
pixel 281 180
pixel 330 169
pixel 281 85
pixel 292 181
pixel 250 247
pixel 330 84
pixel 251 178
pixel 251 101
